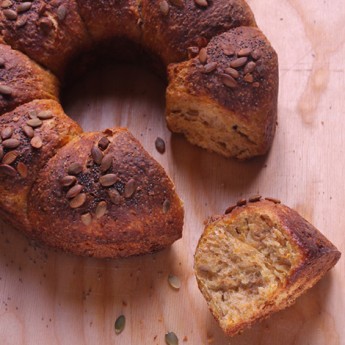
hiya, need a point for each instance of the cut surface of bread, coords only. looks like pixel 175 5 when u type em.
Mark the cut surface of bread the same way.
pixel 257 260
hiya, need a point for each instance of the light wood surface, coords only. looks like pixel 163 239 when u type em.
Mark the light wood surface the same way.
pixel 53 298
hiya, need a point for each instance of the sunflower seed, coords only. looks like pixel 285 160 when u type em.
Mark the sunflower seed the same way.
pixel 45 115
pixel 34 122
pixel 254 198
pixel 229 81
pixel 68 180
pixel 164 7
pixel 244 52
pixel 7 170
pixel 108 180
pixel 107 162
pixel 160 145
pixel 22 169
pixel 1 152
pixel 78 201
pixel 202 3
pixel 210 67
pixel 232 71
pixel 10 157
pixel 203 56
pixel 174 282
pixel 10 14
pixel 114 196
pixel 29 132
pixel 101 209
pixel 75 169
pixel 23 7
pixel 6 4
pixel 6 90
pixel 171 338
pixel 120 324
pixel 238 62
pixel 166 205
pixel 249 67
pixel 6 133
pixel 74 191
pixel 36 142
pixel 248 78
pixel 61 12
pixel 97 155
pixel 241 202
pixel 103 143
pixel 11 143
pixel 86 218
pixel 130 188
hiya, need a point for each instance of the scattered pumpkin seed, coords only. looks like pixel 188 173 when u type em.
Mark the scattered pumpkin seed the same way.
pixel 86 219
pixel 6 4
pixel 34 122
pixel 22 169
pixel 241 202
pixel 108 180
pixel 101 209
pixel 114 196
pixel 36 142
pixel 6 133
pixel 78 201
pixel 29 132
pixel 10 157
pixel 171 338
pixel 248 78
pixel 228 50
pixel 239 62
pixel 256 54
pixel 232 71
pixel 45 115
pixel 120 324
pixel 276 201
pixel 68 180
pixel 6 90
pixel 106 163
pixel 228 81
pixel 210 67
pixel 202 3
pixel 97 155
pixel 10 14
pixel 164 7
pixel 61 12
pixel 160 145
pixel 254 198
pixel 11 143
pixel 23 7
pixel 174 282
pixel 249 67
pixel 75 169
pixel 130 188
pixel 203 56
pixel 74 191
pixel 7 170
pixel 244 52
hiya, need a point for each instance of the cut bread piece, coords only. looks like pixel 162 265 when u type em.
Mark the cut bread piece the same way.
pixel 257 260
pixel 225 99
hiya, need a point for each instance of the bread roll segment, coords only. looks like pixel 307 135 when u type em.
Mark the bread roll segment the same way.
pixel 119 202
pixel 257 260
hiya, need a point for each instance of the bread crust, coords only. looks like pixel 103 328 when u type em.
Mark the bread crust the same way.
pixel 25 80
pixel 49 32
pixel 18 177
pixel 315 254
pixel 148 220
pixel 188 25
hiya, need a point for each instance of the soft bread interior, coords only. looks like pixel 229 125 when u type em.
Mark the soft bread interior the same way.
pixel 241 265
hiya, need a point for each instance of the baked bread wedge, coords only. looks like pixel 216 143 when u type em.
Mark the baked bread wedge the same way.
pixel 257 260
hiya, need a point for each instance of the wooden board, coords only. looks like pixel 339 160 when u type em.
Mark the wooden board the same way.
pixel 52 298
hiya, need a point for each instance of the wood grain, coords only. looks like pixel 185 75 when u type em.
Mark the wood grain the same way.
pixel 53 298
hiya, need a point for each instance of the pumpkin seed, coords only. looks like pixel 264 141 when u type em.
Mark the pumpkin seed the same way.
pixel 11 143
pixel 61 12
pixel 114 196
pixel 6 4
pixel 22 169
pixel 74 191
pixel 6 90
pixel 256 54
pixel 244 52
pixel 202 3
pixel 276 201
pixel 75 169
pixel 249 67
pixel 248 78
pixel 7 170
pixel 241 202
pixel 229 81
pixel 107 162
pixel 97 155
pixel 120 324
pixel 6 133
pixel 34 122
pixel 254 198
pixel 203 56
pixel 171 338
pixel 29 132
pixel 78 201
pixel 130 188
pixel 68 180
pixel 101 209
pixel 210 67
pixel 45 115
pixel 86 218
pixel 108 180
pixel 10 157
pixel 10 14
pixel 232 71
pixel 36 142
pixel 174 282
pixel 23 7
pixel 164 7
pixel 239 62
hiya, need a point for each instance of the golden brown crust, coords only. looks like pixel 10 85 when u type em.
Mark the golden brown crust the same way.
pixel 49 32
pixel 142 220
pixel 170 27
pixel 107 19
pixel 21 80
pixel 314 253
pixel 250 98
pixel 31 145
